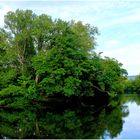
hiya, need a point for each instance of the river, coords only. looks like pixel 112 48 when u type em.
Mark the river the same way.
pixel 131 122
pixel 117 120
pixel 131 126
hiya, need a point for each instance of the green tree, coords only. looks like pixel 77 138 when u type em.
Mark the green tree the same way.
pixel 135 85
pixel 110 75
pixel 57 55
pixel 19 24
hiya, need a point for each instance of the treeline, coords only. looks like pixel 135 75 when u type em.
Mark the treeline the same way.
pixel 133 86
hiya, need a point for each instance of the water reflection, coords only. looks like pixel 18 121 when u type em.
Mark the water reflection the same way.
pixel 92 121
pixel 131 127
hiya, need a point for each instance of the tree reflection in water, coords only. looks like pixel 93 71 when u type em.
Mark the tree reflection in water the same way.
pixel 77 121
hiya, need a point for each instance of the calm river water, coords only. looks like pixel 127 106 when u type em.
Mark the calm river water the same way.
pixel 120 119
pixel 131 126
pixel 131 122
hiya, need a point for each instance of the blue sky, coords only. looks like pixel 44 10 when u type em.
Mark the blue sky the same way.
pixel 118 22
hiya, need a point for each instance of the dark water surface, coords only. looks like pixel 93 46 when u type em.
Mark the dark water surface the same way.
pixel 119 119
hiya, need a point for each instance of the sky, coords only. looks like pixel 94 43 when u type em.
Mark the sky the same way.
pixel 118 22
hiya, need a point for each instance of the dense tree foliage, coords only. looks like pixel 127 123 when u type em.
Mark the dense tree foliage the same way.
pixel 133 86
pixel 52 57
pixel 136 84
pixel 41 57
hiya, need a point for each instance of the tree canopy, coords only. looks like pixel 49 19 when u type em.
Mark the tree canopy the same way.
pixel 55 55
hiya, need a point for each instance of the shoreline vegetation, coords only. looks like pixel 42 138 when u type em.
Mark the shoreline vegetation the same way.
pixel 46 64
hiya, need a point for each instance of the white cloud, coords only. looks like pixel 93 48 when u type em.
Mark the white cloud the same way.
pixel 137 34
pixel 112 43
pixel 126 18
pixel 128 56
pixel 3 11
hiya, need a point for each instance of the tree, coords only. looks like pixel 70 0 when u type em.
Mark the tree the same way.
pixel 56 56
pixel 134 85
pixel 19 25
pixel 65 65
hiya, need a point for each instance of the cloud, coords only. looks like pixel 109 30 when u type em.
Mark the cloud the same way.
pixel 128 56
pixel 124 20
pixel 112 43
pixel 137 34
pixel 4 8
